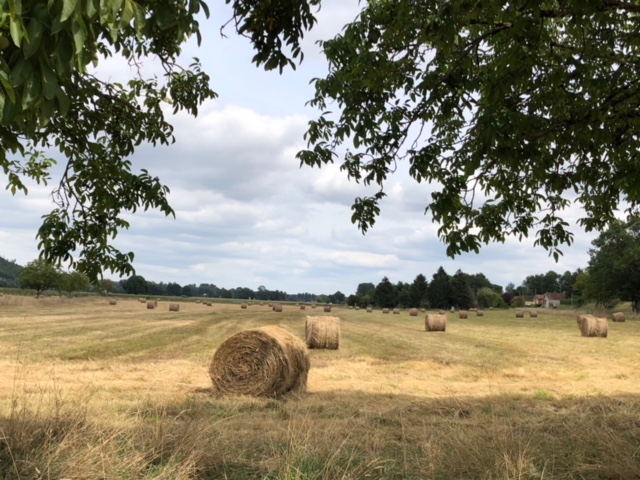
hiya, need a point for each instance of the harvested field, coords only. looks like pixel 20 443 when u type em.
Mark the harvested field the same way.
pixel 92 390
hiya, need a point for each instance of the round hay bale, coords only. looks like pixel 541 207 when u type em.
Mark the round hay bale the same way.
pixel 142 300
pixel 519 314
pixel 302 307
pixel 350 307
pixel 243 306
pixel 582 318
pixel 313 306
pixel 174 307
pixel 385 310
pixel 618 317
pixel 113 301
pixel 357 308
pixel 277 308
pixel 322 332
pixel 591 326
pixel 369 309
pixel 423 310
pixel 479 313
pixel 413 312
pixel 463 314
pixel 396 311
pixel 197 301
pixel 151 305
pixel 262 362
pixel 327 309
pixel 533 314
pixel 435 323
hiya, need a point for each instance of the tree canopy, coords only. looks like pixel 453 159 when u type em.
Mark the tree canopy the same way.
pixel 50 99
pixel 512 111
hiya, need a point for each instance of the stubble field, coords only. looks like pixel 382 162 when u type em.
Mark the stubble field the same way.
pixel 89 390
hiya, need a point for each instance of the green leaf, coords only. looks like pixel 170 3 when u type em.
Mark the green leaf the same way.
pixel 68 7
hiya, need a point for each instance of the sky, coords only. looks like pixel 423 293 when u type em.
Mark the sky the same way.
pixel 247 214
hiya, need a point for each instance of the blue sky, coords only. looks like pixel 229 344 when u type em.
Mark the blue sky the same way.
pixel 248 215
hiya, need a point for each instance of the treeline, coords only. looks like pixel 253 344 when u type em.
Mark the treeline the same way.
pixel 9 273
pixel 461 291
pixel 138 285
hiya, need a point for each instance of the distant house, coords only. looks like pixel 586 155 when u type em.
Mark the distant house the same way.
pixel 539 300
pixel 552 300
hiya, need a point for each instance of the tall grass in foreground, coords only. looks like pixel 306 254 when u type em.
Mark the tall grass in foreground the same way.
pixel 491 398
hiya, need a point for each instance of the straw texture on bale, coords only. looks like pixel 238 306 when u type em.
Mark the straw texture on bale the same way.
pixel 113 302
pixel 519 314
pixel 413 312
pixel 327 309
pixel 151 305
pixel 533 314
pixel 463 315
pixel 479 313
pixel 174 307
pixel 618 317
pixel 385 310
pixel 581 318
pixel 435 323
pixel 263 362
pixel 277 308
pixel 591 326
pixel 369 309
pixel 322 332
pixel 243 306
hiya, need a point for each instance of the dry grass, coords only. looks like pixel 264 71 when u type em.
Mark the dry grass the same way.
pixel 92 391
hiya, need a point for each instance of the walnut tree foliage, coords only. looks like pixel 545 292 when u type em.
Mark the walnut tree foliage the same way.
pixel 51 100
pixel 511 110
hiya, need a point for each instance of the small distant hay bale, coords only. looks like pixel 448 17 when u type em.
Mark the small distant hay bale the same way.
pixel 479 313
pixel 350 307
pixel 463 315
pixel 142 300
pixel 174 307
pixel 262 362
pixel 197 301
pixel 385 310
pixel 277 308
pixel 440 312
pixel 618 317
pixel 313 306
pixel 423 310
pixel 357 308
pixel 533 314
pixel 413 312
pixel 591 326
pixel 396 311
pixel 302 307
pixel 519 314
pixel 113 301
pixel 369 309
pixel 434 322
pixel 208 304
pixel 327 309
pixel 151 305
pixel 243 306
pixel 322 332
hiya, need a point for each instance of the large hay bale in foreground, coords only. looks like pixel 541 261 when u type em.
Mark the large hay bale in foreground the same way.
pixel 582 318
pixel 463 315
pixel 413 312
pixel 434 322
pixel 277 308
pixel 618 317
pixel 591 326
pixel 262 362
pixel 519 314
pixel 151 305
pixel 327 309
pixel 322 332
pixel 174 307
